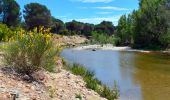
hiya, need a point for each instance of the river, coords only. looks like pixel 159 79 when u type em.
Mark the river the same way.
pixel 140 76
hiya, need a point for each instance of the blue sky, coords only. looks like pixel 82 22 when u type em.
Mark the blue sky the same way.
pixel 91 11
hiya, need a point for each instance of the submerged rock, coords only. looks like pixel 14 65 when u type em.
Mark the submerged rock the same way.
pixel 93 49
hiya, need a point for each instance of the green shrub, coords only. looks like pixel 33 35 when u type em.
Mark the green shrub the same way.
pixel 102 38
pixel 77 70
pixel 30 51
pixel 5 32
pixel 92 83
pixel 108 93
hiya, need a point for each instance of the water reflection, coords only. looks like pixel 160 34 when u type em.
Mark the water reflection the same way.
pixel 139 76
pixel 153 75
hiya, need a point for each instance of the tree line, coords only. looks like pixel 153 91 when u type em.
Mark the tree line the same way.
pixel 148 27
pixel 36 15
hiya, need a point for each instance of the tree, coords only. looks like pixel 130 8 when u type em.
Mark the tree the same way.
pixel 57 26
pixel 151 24
pixel 105 27
pixel 87 29
pixel 165 15
pixel 75 27
pixel 148 27
pixel 36 15
pixel 10 12
pixel 122 30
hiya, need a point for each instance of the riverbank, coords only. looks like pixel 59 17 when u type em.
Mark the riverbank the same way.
pixel 114 48
pixel 61 85
pixel 53 86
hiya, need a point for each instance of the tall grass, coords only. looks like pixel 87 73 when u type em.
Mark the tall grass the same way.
pixel 93 83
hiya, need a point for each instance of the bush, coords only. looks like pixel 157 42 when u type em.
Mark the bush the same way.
pixel 31 51
pixel 108 93
pixel 5 32
pixel 102 38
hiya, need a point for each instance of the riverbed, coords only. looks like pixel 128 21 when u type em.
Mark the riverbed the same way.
pixel 139 75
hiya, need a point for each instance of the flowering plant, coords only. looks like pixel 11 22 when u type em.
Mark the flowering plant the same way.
pixel 31 51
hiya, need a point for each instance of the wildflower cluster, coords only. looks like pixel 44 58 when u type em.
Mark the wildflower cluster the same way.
pixel 30 51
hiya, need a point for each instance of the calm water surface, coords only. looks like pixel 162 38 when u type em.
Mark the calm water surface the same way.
pixel 140 76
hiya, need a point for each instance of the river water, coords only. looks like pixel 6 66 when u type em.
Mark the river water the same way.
pixel 140 76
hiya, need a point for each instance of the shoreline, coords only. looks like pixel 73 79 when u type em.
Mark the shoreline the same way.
pixel 114 48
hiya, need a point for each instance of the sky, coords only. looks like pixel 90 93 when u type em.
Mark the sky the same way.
pixel 88 11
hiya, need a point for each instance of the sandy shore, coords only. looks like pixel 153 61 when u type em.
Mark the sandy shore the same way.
pixel 109 47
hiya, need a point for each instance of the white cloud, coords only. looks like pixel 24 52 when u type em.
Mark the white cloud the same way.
pixel 111 8
pixel 106 8
pixel 82 7
pixel 104 13
pixel 97 20
pixel 94 1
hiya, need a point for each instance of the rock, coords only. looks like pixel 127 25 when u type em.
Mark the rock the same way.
pixel 26 90
pixel 15 93
pixel 39 76
pixel 93 49
pixel 68 75
pixel 26 78
pixel 5 96
pixel 34 97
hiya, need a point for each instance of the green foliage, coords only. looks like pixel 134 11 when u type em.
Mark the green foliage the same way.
pixel 147 27
pixel 74 27
pixel 57 26
pixel 5 32
pixel 30 51
pixel 87 29
pixel 122 30
pixel 94 83
pixel 150 24
pixel 10 12
pixel 77 70
pixel 102 38
pixel 110 94
pixel 105 27
pixel 36 15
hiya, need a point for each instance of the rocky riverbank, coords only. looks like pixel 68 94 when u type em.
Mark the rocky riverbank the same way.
pixel 61 85
pixel 52 86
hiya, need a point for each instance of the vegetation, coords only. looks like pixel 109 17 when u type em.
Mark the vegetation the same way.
pixel 148 27
pixel 93 83
pixel 30 51
pixel 102 38
pixel 5 32
pixel 36 15
pixel 10 13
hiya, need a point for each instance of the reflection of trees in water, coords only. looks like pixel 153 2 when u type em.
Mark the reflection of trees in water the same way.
pixel 153 75
pixel 130 90
pixel 126 64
